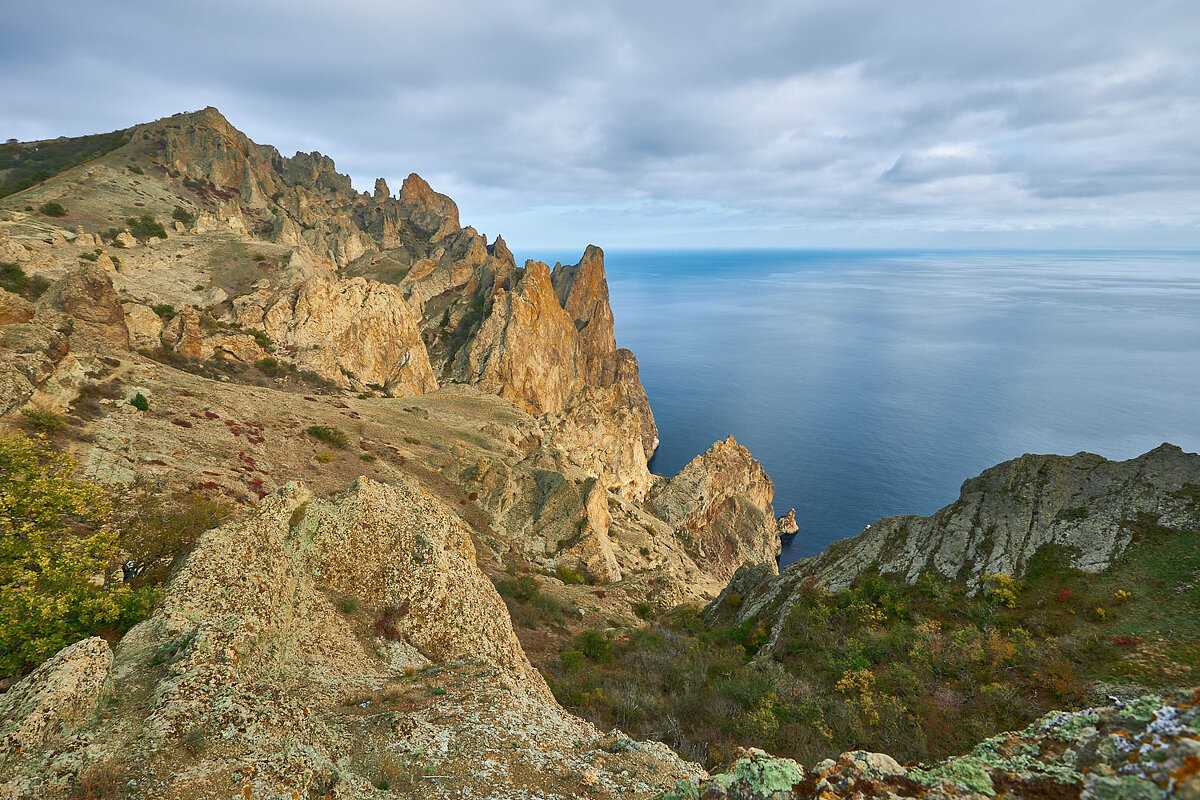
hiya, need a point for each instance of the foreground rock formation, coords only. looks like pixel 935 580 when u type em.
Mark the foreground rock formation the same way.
pixel 316 649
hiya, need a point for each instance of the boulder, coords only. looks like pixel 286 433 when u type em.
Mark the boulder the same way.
pixel 56 697
pixel 86 294
pixel 14 309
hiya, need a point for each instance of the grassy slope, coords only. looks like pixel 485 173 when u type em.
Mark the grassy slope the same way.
pixel 920 672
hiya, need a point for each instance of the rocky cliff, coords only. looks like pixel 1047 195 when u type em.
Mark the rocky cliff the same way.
pixel 1084 505
pixel 1005 515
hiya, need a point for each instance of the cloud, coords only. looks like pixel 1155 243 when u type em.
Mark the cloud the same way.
pixel 768 122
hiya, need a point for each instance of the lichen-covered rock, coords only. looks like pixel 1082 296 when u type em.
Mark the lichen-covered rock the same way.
pixel 55 698
pixel 319 648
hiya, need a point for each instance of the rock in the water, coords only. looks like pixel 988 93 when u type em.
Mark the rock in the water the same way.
pixel 787 523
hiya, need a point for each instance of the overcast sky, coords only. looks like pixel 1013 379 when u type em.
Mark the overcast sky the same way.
pixel 1069 123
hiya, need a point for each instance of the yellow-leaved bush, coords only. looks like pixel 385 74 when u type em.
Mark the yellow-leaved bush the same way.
pixel 59 570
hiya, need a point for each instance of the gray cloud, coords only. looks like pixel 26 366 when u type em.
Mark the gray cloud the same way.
pixel 771 122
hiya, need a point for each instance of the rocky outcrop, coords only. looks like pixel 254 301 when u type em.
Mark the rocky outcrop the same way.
pixel 1145 748
pixel 14 309
pixel 720 504
pixel 55 698
pixel 86 295
pixel 549 336
pixel 353 332
pixel 314 648
pixel 593 432
pixel 1008 513
pixel 29 354
pixel 527 349
pixel 787 523
pixel 1082 504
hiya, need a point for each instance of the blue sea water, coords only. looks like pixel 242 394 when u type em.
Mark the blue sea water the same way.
pixel 874 383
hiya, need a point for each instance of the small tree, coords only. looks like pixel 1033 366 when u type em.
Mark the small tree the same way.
pixel 57 557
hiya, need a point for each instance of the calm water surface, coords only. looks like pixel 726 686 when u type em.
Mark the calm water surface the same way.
pixel 873 383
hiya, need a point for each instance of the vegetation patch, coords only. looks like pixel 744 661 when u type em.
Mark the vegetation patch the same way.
pixel 13 279
pixel 24 164
pixel 921 672
pixel 55 542
pixel 334 436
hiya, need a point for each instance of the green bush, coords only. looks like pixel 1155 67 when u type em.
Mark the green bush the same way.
pixel 52 209
pixel 182 215
pixel 13 279
pixel 54 542
pixel 164 310
pixel 335 436
pixel 145 227
pixel 43 421
pixel 271 367
pixel 595 645
pixel 140 402
pixel 570 576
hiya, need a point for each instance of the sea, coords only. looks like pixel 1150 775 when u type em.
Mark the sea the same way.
pixel 873 383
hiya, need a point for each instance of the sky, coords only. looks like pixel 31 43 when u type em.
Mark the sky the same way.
pixel 799 123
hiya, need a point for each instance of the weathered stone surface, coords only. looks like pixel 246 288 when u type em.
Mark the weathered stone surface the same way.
pixel 593 430
pixel 1012 510
pixel 57 696
pixel 14 309
pixel 256 665
pixel 145 327
pixel 352 332
pixel 86 294
pixel 721 503
pixel 29 354
pixel 787 523
pixel 527 349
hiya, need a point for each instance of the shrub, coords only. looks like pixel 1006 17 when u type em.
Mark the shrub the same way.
pixel 164 310
pixel 412 440
pixel 183 215
pixel 52 209
pixel 323 458
pixel 595 645
pixel 569 576
pixel 335 436
pixel 53 544
pixel 271 367
pixel 644 610
pixel 43 421
pixel 140 402
pixel 261 338
pixel 525 588
pixel 13 279
pixel 145 227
